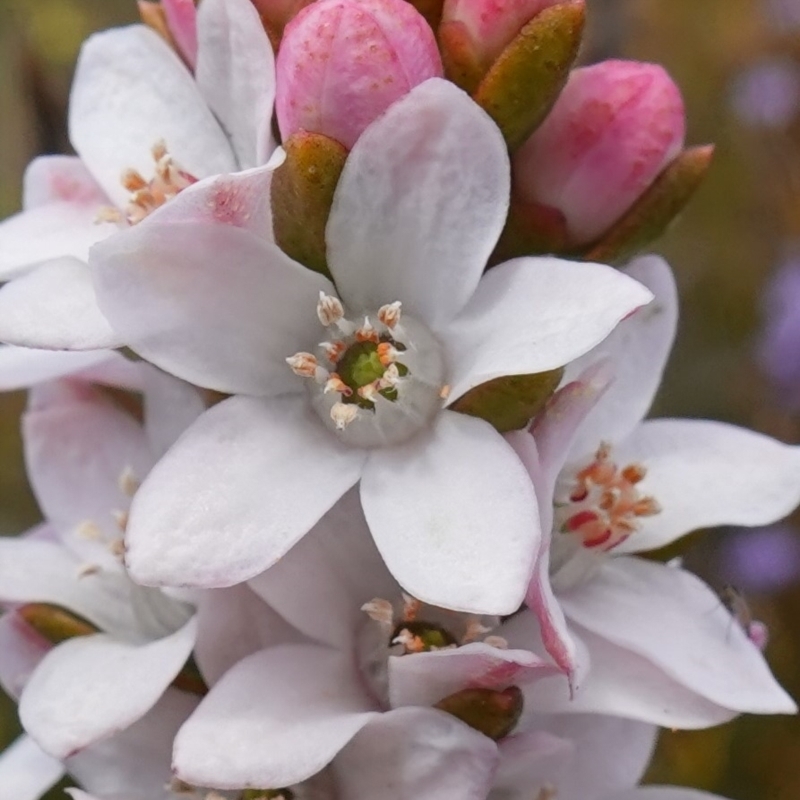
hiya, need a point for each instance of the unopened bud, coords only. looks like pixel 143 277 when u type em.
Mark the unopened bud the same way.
pixel 54 623
pixel 495 714
pixel 277 14
pixel 342 63
pixel 473 33
pixel 613 129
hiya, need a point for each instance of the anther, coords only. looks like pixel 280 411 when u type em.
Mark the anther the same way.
pixel 343 414
pixel 333 350
pixel 389 314
pixel 379 610
pixel 366 333
pixel 133 180
pixel 128 482
pixel 303 364
pixel 336 384
pixel 387 353
pixel 329 309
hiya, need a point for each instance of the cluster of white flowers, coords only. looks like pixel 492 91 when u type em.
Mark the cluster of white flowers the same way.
pixel 278 559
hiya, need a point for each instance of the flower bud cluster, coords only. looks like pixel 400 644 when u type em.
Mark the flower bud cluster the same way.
pixel 343 470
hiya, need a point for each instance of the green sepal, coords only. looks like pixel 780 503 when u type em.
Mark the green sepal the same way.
pixel 650 215
pixel 509 403
pixel 430 9
pixel 494 714
pixel 531 229
pixel 302 196
pixel 54 623
pixel 524 82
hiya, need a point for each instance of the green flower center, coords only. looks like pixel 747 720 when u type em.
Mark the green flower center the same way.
pixel 423 636
pixel 360 365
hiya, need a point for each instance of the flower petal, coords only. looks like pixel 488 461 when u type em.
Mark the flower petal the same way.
pixel 611 753
pixel 55 307
pixel 26 771
pixel 52 179
pixel 277 718
pixel 91 687
pixel 135 763
pixel 130 92
pixel 78 448
pixel 236 74
pixel 705 473
pixel 22 367
pixel 420 205
pixel 47 232
pixel 34 571
pixel 454 516
pixel 416 752
pixel 674 620
pixel 339 568
pixel 638 350
pixel 234 623
pixel 21 649
pixel 423 679
pixel 242 485
pixel 529 761
pixel 664 793
pixel 212 304
pixel 531 315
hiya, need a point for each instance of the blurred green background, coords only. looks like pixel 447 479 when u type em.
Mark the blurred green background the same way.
pixel 723 250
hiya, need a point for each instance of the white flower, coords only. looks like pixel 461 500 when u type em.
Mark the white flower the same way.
pixel 144 129
pixel 417 212
pixel 85 458
pixel 644 639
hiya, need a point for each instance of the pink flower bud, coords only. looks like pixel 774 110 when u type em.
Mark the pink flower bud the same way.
pixel 490 25
pixel 342 63
pixel 614 128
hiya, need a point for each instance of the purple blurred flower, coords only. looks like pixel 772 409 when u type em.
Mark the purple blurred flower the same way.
pixel 761 560
pixel 779 346
pixel 767 93
pixel 783 14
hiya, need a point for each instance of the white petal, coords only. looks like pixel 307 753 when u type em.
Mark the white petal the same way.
pixel 170 407
pixel 638 350
pixel 130 91
pixel 26 771
pixel 529 761
pixel 50 179
pixel 673 619
pixel 135 763
pixel 706 473
pixel 339 569
pixel 416 753
pixel 78 446
pixel 623 684
pixel 21 649
pixel 55 307
pixel 535 314
pixel 241 200
pixel 234 623
pixel 22 367
pixel 45 572
pixel 94 686
pixel 46 232
pixel 420 205
pixel 611 753
pixel 212 304
pixel 277 718
pixel 423 679
pixel 241 486
pixel 236 74
pixel 454 516
pixel 664 793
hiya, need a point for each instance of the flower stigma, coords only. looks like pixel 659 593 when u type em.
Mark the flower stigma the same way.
pixel 602 505
pixel 376 380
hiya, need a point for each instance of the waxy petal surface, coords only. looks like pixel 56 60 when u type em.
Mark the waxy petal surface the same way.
pixel 454 516
pixel 130 92
pixel 705 473
pixel 236 74
pixel 240 487
pixel 419 206
pixel 277 718
pixel 54 306
pixel 26 771
pixel 212 304
pixel 531 315
pixel 94 686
